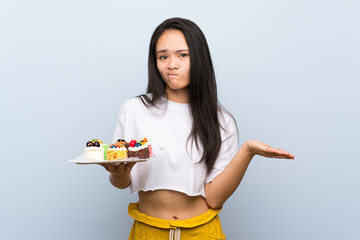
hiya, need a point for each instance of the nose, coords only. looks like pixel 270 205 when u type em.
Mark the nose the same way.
pixel 173 64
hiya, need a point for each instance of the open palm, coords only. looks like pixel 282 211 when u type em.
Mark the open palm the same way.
pixel 262 149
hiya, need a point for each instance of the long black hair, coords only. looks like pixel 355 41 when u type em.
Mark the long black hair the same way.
pixel 203 99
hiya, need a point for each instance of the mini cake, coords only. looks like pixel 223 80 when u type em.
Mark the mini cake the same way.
pixel 98 151
pixel 116 153
pixel 94 150
pixel 141 149
pixel 117 150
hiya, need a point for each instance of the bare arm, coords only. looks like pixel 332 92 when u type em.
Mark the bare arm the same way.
pixel 120 174
pixel 225 184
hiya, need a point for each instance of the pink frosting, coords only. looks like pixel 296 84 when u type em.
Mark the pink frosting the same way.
pixel 150 150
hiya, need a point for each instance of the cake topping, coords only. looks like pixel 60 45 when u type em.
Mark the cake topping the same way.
pixel 117 145
pixel 93 143
pixel 132 143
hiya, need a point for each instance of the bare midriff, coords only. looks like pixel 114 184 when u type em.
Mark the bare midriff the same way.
pixel 171 205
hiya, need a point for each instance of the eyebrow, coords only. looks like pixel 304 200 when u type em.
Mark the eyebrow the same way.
pixel 165 50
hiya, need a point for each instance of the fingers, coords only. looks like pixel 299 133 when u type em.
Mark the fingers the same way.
pixel 280 153
pixel 110 167
pixel 285 154
pixel 105 166
pixel 118 168
pixel 128 166
pixel 263 149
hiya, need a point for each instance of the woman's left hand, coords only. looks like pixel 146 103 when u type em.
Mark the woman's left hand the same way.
pixel 258 148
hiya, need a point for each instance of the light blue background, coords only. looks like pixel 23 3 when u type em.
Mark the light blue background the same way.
pixel 287 70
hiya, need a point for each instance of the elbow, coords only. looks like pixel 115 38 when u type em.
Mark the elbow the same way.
pixel 121 184
pixel 213 198
pixel 213 202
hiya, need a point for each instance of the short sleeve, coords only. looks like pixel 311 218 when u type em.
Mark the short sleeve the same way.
pixel 229 146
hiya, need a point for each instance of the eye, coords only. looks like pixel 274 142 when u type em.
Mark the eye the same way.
pixel 184 55
pixel 163 57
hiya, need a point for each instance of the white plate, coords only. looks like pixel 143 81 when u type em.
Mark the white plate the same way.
pixel 81 160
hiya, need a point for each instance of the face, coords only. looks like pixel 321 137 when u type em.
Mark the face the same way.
pixel 173 60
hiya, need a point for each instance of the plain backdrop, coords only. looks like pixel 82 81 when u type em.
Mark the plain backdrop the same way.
pixel 287 70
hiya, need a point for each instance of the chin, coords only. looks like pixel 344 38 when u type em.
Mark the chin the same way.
pixel 176 88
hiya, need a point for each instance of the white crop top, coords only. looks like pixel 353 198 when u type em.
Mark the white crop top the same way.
pixel 176 166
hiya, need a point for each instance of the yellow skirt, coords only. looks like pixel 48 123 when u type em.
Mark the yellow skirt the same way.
pixel 206 226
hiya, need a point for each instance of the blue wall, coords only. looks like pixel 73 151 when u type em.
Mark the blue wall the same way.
pixel 287 70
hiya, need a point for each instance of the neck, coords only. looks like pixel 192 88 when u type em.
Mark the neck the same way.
pixel 178 96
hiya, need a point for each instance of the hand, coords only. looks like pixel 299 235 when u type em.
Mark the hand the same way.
pixel 121 169
pixel 119 174
pixel 258 148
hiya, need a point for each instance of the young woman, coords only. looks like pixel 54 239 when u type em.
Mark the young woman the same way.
pixel 182 189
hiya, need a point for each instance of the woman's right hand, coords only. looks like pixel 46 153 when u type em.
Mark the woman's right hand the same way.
pixel 119 174
pixel 120 169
